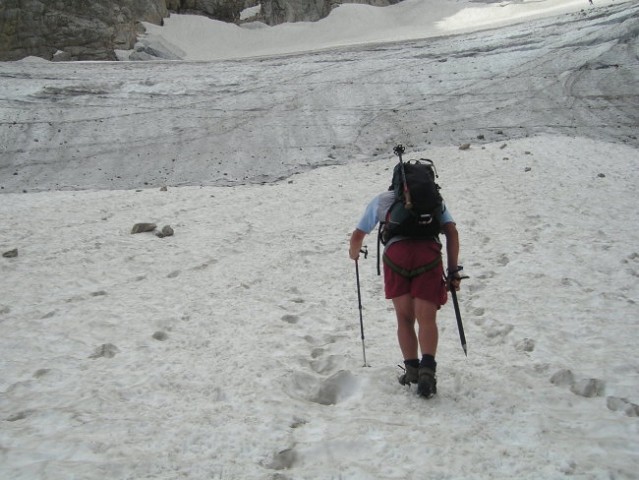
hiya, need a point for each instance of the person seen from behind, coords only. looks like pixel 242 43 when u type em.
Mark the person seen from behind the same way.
pixel 414 281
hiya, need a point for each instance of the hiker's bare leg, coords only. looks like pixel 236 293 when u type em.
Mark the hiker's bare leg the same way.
pixel 426 313
pixel 405 312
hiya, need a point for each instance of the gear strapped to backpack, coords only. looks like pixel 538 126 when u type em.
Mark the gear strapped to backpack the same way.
pixel 413 214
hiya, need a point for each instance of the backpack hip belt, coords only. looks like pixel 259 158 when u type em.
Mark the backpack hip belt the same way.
pixel 415 272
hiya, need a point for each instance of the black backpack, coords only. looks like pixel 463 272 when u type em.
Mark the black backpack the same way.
pixel 414 214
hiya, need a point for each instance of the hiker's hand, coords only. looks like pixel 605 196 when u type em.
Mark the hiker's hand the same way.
pixel 455 277
pixel 355 254
pixel 455 282
pixel 355 246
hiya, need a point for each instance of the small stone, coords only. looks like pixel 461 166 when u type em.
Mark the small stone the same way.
pixel 41 372
pixel 20 415
pixel 166 231
pixel 602 175
pixel 464 146
pixel 11 253
pixel 107 350
pixel 527 169
pixel 143 227
pixel 163 189
pixel 161 336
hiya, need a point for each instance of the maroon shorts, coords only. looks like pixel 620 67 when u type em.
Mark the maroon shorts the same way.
pixel 408 258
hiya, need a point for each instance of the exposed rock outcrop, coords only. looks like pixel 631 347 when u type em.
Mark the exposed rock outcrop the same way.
pixel 73 29
pixel 280 11
pixel 67 30
pixel 224 10
pixel 274 12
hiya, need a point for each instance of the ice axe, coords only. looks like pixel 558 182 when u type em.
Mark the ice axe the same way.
pixel 460 326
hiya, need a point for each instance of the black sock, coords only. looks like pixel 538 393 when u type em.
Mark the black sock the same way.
pixel 428 361
pixel 413 362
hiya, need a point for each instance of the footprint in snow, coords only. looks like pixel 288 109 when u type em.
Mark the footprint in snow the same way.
pixel 292 319
pixel 327 364
pixel 330 391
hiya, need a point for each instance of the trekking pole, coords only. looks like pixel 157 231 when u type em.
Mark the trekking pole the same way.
pixel 359 300
pixel 379 241
pixel 398 150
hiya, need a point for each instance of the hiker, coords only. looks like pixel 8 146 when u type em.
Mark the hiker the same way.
pixel 414 281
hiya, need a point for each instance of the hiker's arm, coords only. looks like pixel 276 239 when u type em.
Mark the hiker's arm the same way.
pixel 452 250
pixel 357 238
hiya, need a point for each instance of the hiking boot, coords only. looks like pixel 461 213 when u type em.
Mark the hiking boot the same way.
pixel 410 375
pixel 426 382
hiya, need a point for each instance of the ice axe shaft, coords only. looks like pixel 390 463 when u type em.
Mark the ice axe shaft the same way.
pixel 460 326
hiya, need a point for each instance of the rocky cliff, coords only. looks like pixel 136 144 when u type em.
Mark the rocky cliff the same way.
pixel 274 12
pixel 95 29
pixel 73 29
pixel 224 10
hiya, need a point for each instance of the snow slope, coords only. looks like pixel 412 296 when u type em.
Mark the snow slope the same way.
pixel 232 349
pixel 237 340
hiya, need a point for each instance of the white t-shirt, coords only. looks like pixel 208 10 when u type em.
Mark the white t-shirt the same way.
pixel 376 212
